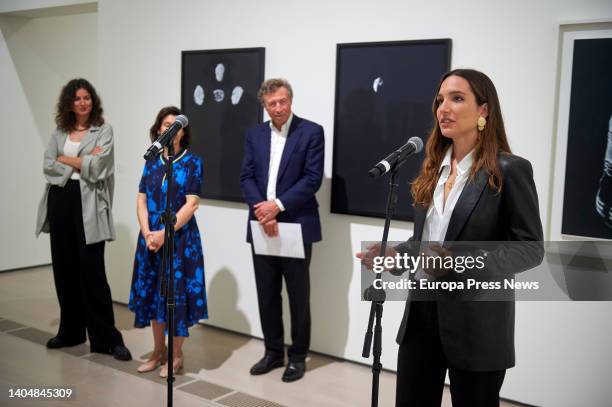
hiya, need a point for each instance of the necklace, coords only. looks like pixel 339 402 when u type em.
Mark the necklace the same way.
pixel 450 182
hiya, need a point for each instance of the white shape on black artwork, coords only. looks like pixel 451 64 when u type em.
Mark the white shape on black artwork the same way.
pixel 377 83
pixel 237 94
pixel 218 95
pixel 603 199
pixel 219 72
pixel 198 95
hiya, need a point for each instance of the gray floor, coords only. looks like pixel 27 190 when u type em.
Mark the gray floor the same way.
pixel 215 373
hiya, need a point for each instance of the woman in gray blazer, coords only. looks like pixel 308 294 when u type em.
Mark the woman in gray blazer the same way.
pixel 76 211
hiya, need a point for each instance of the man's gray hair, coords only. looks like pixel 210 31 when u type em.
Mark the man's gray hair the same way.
pixel 271 86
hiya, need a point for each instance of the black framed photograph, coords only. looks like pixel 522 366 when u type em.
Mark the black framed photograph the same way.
pixel 219 97
pixel 384 94
pixel 587 197
pixel 581 177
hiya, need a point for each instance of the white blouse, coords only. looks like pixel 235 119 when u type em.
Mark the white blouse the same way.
pixel 71 149
pixel 439 213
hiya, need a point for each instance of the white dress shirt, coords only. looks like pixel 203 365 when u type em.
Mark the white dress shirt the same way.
pixel 277 145
pixel 439 213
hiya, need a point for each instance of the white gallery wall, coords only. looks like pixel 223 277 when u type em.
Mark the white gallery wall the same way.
pixel 563 351
pixel 37 57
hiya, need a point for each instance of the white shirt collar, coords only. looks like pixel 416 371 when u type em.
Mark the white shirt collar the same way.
pixel 446 161
pixel 462 166
pixel 285 127
pixel 465 165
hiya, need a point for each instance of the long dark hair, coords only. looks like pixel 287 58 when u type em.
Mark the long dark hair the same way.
pixel 491 141
pixel 65 119
pixel 165 111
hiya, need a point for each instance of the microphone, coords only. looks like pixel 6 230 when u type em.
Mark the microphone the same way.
pixel 167 136
pixel 413 146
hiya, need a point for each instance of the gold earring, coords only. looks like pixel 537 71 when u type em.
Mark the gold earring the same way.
pixel 482 122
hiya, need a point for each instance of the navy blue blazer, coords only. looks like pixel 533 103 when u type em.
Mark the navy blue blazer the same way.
pixel 299 175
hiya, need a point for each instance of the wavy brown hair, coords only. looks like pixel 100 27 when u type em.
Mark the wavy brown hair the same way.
pixel 165 111
pixel 491 141
pixel 65 119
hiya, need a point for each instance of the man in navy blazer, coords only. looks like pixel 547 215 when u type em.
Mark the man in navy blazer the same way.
pixel 281 172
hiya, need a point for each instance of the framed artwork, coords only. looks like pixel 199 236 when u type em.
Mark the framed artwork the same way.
pixel 582 177
pixel 219 97
pixel 384 94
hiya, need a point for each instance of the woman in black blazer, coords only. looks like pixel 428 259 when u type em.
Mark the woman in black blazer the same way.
pixel 471 188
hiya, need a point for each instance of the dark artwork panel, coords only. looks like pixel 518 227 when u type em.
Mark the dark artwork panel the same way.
pixel 384 94
pixel 219 96
pixel 587 198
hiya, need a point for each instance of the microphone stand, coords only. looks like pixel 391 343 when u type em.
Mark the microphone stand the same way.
pixel 167 267
pixel 378 295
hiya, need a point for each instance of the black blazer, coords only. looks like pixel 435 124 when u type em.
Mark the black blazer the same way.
pixel 479 335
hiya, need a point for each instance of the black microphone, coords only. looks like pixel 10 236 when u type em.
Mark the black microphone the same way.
pixel 167 136
pixel 413 146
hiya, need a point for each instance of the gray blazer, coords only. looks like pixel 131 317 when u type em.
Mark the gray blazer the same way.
pixel 97 181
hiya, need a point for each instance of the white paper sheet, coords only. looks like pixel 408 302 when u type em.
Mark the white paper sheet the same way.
pixel 288 243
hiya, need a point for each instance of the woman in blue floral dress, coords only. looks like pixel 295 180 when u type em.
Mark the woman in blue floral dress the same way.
pixel 145 299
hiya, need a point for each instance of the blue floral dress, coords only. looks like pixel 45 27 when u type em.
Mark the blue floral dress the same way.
pixel 145 299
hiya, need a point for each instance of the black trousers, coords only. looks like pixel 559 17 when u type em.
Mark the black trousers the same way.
pixel 422 365
pixel 269 272
pixel 78 270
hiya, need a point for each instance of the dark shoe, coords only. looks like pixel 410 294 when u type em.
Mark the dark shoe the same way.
pixel 56 342
pixel 120 352
pixel 267 363
pixel 294 371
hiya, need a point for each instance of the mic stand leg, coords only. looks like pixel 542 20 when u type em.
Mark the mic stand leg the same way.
pixel 378 298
